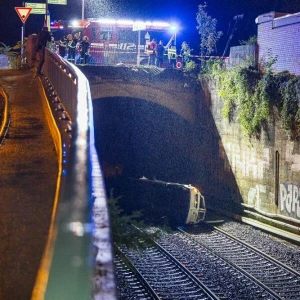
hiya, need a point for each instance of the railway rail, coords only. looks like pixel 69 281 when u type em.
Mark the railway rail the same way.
pixel 166 276
pixel 226 280
pixel 279 279
pixel 226 266
pixel 132 285
pixel 178 267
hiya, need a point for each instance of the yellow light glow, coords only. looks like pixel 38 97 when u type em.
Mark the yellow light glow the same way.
pixel 125 22
pixel 75 23
pixel 107 21
pixel 161 24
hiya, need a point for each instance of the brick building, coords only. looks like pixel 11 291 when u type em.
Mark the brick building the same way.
pixel 278 36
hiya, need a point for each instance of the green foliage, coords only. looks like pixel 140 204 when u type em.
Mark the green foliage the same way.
pixel 10 51
pixel 4 49
pixel 290 112
pixel 251 41
pixel 240 91
pixel 211 66
pixel 13 54
pixel 207 28
pixel 190 65
pixel 128 229
pixel 248 94
pixel 243 90
pixel 122 223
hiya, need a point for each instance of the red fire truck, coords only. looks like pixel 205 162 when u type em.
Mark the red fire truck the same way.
pixel 118 41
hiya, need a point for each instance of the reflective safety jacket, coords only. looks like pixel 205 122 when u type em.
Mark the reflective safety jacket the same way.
pixel 172 53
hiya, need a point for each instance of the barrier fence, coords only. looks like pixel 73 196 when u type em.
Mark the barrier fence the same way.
pixel 78 259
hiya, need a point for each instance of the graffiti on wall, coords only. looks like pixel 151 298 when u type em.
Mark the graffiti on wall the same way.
pixel 257 195
pixel 291 157
pixel 290 200
pixel 247 160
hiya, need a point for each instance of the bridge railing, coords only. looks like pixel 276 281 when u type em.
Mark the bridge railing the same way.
pixel 78 259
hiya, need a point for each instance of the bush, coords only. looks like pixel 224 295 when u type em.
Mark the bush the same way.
pixel 248 94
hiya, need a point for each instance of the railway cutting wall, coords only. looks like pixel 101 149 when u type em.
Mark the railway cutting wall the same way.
pixel 235 173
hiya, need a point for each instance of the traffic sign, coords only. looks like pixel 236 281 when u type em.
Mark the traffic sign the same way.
pixel 137 26
pixel 23 12
pixel 37 8
pixel 62 2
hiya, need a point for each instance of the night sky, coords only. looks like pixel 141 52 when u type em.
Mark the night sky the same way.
pixel 181 11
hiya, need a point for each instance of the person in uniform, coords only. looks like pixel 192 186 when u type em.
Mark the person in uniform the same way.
pixel 160 54
pixel 152 52
pixel 84 50
pixel 62 46
pixel 71 42
pixel 172 55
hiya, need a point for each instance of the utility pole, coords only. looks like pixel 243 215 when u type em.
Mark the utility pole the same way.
pixel 47 13
pixel 22 38
pixel 82 14
pixel 236 18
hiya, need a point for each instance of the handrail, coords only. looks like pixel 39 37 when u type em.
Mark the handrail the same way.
pixel 81 226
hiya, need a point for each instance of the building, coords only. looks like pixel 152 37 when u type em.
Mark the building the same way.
pixel 278 38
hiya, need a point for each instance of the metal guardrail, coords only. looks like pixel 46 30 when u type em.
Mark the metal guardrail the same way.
pixel 78 259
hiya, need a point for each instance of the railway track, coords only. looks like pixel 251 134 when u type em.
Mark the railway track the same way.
pixel 132 285
pixel 183 265
pixel 280 280
pixel 166 276
pixel 226 280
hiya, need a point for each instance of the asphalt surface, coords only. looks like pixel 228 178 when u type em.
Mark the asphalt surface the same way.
pixel 28 174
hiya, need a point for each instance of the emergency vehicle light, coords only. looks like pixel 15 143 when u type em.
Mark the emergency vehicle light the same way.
pixel 155 24
pixel 125 22
pixel 174 27
pixel 75 23
pixel 161 24
pixel 107 21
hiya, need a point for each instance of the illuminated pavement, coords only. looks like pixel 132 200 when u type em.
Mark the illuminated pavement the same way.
pixel 28 174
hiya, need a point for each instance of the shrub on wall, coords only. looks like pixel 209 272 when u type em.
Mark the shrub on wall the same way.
pixel 248 94
pixel 290 114
pixel 14 58
pixel 243 91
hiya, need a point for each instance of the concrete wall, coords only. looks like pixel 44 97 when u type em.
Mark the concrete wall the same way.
pixel 3 61
pixel 192 146
pixel 243 53
pixel 266 170
pixel 278 36
pixel 234 173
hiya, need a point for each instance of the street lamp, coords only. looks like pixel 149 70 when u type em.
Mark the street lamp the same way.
pixel 82 14
pixel 174 29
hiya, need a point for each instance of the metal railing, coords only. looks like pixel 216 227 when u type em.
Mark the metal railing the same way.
pixel 78 259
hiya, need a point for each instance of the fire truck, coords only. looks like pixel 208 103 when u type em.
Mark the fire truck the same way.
pixel 118 41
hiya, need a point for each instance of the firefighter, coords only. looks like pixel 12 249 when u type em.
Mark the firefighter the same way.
pixel 62 46
pixel 185 53
pixel 84 50
pixel 152 48
pixel 160 54
pixel 172 56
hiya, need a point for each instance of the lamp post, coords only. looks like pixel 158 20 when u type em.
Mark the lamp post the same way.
pixel 82 13
pixel 46 17
pixel 174 29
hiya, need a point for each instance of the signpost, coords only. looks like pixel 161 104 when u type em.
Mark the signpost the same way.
pixel 138 26
pixel 37 8
pixel 62 2
pixel 23 13
pixel 47 15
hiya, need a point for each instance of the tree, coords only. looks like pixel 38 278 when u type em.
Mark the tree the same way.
pixel 102 8
pixel 207 28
